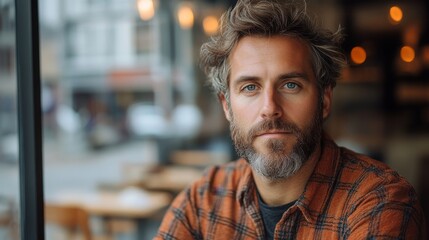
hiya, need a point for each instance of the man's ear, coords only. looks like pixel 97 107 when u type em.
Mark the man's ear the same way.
pixel 225 107
pixel 327 101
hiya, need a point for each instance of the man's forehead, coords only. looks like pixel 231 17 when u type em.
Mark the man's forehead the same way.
pixel 252 39
pixel 291 53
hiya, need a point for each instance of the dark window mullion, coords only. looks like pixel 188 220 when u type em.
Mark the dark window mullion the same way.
pixel 29 120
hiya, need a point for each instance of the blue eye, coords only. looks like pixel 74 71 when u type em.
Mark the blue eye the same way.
pixel 250 88
pixel 291 85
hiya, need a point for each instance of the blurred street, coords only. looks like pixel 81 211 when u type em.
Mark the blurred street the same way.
pixel 77 170
pixel 68 168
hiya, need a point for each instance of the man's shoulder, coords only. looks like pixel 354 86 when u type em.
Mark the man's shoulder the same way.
pixel 378 197
pixel 354 180
pixel 224 182
pixel 367 175
pixel 359 164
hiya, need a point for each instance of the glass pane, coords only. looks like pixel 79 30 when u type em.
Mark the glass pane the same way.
pixel 123 105
pixel 9 167
pixel 129 120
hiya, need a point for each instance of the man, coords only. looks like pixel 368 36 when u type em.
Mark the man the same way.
pixel 274 71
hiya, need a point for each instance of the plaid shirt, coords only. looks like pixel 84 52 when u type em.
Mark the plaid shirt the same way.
pixel 348 196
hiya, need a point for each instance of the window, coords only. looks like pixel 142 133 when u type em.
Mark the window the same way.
pixel 9 166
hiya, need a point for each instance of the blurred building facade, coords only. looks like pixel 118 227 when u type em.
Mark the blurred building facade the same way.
pixel 111 59
pixel 8 117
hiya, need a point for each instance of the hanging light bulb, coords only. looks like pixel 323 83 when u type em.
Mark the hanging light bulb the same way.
pixel 425 55
pixel 185 15
pixel 407 54
pixel 210 25
pixel 395 14
pixel 358 55
pixel 146 9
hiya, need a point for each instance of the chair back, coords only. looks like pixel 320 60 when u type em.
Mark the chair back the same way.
pixel 9 217
pixel 70 218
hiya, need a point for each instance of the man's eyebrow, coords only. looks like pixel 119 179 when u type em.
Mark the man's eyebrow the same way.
pixel 300 75
pixel 245 79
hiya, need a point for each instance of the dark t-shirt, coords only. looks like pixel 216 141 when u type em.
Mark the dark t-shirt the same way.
pixel 271 216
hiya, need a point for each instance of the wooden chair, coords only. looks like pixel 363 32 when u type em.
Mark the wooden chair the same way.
pixel 70 219
pixel 8 217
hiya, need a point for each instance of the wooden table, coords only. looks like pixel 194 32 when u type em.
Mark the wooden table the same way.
pixel 131 204
pixel 166 178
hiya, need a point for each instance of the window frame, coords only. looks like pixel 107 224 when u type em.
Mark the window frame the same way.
pixel 29 120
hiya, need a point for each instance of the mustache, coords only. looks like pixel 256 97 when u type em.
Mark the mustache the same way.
pixel 275 124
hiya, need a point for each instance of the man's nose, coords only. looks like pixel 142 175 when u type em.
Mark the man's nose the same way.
pixel 271 107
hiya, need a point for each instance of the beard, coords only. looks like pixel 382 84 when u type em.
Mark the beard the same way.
pixel 278 163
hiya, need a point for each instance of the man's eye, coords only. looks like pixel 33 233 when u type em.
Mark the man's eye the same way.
pixel 291 85
pixel 249 88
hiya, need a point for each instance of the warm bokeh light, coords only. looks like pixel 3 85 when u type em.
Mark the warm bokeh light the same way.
pixel 146 9
pixel 407 54
pixel 210 25
pixel 396 14
pixel 185 16
pixel 358 55
pixel 425 55
pixel 411 34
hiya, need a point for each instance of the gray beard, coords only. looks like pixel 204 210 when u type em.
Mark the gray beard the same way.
pixel 278 164
pixel 275 167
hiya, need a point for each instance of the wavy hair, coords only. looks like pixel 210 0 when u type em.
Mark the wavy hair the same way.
pixel 269 18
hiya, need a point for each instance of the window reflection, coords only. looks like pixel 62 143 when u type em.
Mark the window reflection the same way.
pixel 9 178
pixel 128 122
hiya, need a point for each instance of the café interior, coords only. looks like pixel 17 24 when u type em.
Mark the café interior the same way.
pixel 129 120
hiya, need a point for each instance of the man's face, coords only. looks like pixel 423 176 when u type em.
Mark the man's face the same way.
pixel 275 109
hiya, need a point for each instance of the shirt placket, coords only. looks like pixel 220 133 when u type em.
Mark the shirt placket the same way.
pixel 248 200
pixel 287 227
pixel 253 212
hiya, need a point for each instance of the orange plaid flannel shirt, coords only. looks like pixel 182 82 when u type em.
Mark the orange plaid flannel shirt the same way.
pixel 348 196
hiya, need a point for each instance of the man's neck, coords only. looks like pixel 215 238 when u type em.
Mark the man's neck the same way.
pixel 280 192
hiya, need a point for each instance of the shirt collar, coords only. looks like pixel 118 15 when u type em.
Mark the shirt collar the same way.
pixel 246 186
pixel 321 181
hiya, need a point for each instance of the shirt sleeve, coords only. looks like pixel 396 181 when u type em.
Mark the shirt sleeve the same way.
pixel 391 211
pixel 180 220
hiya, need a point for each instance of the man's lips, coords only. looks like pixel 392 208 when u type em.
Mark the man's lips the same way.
pixel 272 133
